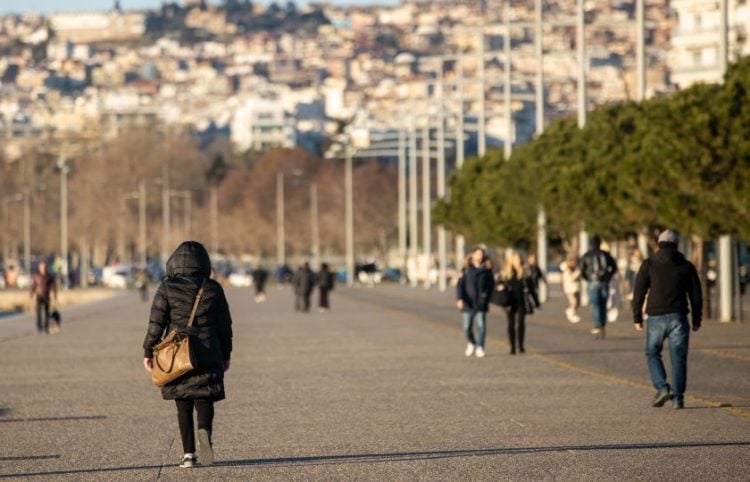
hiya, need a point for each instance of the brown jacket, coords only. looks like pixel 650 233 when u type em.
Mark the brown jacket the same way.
pixel 42 285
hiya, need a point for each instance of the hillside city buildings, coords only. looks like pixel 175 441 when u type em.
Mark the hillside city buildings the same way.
pixel 265 76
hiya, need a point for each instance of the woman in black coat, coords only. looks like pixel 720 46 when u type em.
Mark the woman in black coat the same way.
pixel 188 269
pixel 517 278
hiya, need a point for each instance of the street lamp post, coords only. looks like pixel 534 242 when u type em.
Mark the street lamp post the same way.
pixel 314 224
pixel 64 169
pixel 349 208
pixel 280 235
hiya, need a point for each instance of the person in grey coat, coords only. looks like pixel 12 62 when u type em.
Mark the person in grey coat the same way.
pixel 303 282
pixel 188 269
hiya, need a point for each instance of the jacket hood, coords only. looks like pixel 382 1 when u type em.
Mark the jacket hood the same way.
pixel 668 254
pixel 189 259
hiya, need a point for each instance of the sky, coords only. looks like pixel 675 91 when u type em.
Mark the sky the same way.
pixel 50 6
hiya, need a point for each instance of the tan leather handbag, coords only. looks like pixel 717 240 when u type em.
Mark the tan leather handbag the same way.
pixel 172 355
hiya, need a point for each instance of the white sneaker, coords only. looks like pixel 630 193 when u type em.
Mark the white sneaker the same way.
pixel 479 352
pixel 188 461
pixel 575 319
pixel 569 314
pixel 469 350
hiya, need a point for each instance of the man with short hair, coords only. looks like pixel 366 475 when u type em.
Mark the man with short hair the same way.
pixel 42 286
pixel 670 281
pixel 597 268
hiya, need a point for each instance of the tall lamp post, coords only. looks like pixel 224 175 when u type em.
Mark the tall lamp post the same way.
pixel 64 170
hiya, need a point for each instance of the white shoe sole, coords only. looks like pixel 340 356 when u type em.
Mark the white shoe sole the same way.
pixel 205 451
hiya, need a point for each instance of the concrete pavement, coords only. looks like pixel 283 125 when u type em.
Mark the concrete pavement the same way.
pixel 377 389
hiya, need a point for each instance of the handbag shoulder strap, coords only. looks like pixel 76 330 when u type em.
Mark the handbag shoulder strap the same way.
pixel 195 304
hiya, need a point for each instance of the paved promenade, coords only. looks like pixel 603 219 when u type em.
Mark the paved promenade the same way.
pixel 377 389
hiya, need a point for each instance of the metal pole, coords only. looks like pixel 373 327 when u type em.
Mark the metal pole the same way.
pixel 460 242
pixel 402 199
pixel 349 218
pixel 215 219
pixel 507 87
pixel 165 215
pixel 280 241
pixel 413 219
pixel 6 232
pixel 723 36
pixel 142 223
pixel 581 48
pixel 640 35
pixel 725 278
pixel 27 230
pixel 190 214
pixel 481 134
pixel 426 204
pixel 583 241
pixel 541 243
pixel 64 221
pixel 539 53
pixel 314 224
pixel 442 240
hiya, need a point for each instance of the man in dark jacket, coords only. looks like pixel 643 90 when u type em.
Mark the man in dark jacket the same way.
pixel 473 293
pixel 43 286
pixel 303 282
pixel 597 268
pixel 670 281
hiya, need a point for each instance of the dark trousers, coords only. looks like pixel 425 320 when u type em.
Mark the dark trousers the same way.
pixel 323 301
pixel 204 413
pixel 42 314
pixel 302 302
pixel 516 325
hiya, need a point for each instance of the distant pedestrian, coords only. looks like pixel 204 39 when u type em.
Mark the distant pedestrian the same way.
pixel 473 293
pixel 141 282
pixel 44 289
pixel 571 286
pixel 260 276
pixel 670 281
pixel 517 278
pixel 597 268
pixel 634 264
pixel 188 269
pixel 535 272
pixel 303 282
pixel 326 282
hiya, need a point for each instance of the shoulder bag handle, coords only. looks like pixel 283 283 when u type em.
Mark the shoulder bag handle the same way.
pixel 195 305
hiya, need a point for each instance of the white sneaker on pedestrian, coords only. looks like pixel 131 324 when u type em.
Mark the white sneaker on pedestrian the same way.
pixel 479 352
pixel 575 319
pixel 205 450
pixel 469 350
pixel 569 314
pixel 188 461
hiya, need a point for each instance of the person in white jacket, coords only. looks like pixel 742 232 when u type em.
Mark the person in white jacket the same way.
pixel 571 285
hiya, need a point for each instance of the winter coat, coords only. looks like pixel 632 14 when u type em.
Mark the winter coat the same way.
pixel 598 266
pixel 303 281
pixel 670 281
pixel 571 279
pixel 523 293
pixel 474 288
pixel 211 333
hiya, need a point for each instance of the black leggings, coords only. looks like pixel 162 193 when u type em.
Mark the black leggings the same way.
pixel 204 409
pixel 516 316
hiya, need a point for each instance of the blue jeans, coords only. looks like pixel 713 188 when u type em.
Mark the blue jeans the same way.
pixel 598 293
pixel 468 318
pixel 676 328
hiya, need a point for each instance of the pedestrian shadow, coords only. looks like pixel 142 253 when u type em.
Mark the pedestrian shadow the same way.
pixel 29 457
pixel 400 456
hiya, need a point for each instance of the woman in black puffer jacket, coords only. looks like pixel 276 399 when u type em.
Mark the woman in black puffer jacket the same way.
pixel 188 269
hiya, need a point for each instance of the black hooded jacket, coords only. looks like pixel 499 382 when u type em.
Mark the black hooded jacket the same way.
pixel 670 281
pixel 211 332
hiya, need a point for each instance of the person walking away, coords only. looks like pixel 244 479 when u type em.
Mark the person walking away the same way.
pixel 571 286
pixel 325 286
pixel 260 276
pixel 536 273
pixel 43 288
pixel 634 264
pixel 597 268
pixel 473 292
pixel 523 299
pixel 303 282
pixel 189 269
pixel 670 281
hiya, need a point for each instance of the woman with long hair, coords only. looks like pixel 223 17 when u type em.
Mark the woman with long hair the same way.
pixel 523 298
pixel 189 270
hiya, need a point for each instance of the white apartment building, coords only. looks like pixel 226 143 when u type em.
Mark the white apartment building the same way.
pixel 696 38
pixel 261 124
